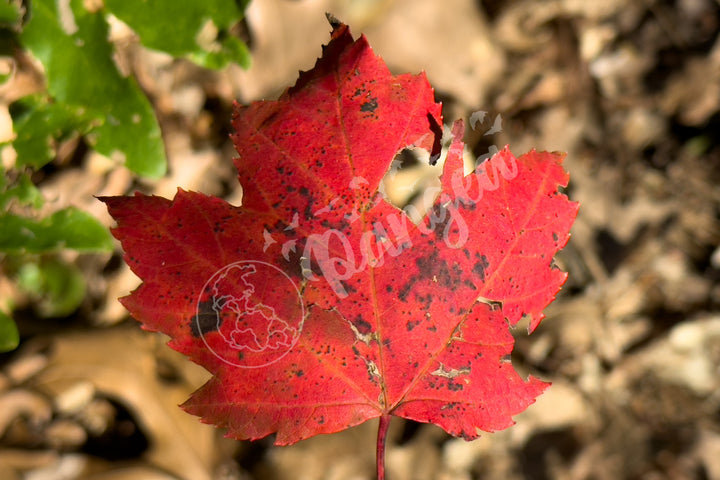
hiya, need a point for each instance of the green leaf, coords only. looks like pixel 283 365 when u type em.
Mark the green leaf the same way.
pixel 217 60
pixel 9 337
pixel 39 124
pixel 10 13
pixel 81 73
pixel 23 190
pixel 187 28
pixel 68 228
pixel 57 288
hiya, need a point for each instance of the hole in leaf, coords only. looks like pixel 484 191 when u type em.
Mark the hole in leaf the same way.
pixel 411 183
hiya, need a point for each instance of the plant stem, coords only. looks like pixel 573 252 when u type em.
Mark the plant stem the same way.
pixel 382 435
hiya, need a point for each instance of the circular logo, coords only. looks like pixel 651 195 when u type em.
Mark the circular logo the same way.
pixel 249 314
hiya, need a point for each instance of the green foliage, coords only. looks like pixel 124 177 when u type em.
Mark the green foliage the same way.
pixel 201 33
pixel 9 13
pixel 91 93
pixel 22 190
pixel 86 95
pixel 57 288
pixel 40 124
pixel 9 337
pixel 66 228
pixel 27 248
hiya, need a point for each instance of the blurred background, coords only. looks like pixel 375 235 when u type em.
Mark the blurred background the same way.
pixel 629 89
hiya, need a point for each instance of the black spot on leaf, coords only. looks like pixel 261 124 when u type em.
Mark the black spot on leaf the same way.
pixel 405 289
pixel 369 106
pixel 348 287
pixel 206 319
pixel 480 266
pixel 435 268
pixel 452 386
pixel 363 326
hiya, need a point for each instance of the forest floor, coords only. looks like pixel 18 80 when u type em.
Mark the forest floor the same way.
pixel 629 89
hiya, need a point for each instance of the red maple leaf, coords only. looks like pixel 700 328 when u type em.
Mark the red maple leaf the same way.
pixel 317 305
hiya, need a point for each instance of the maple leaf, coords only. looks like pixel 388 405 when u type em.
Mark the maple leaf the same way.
pixel 317 305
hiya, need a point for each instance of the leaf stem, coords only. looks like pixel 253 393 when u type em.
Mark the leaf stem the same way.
pixel 382 435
